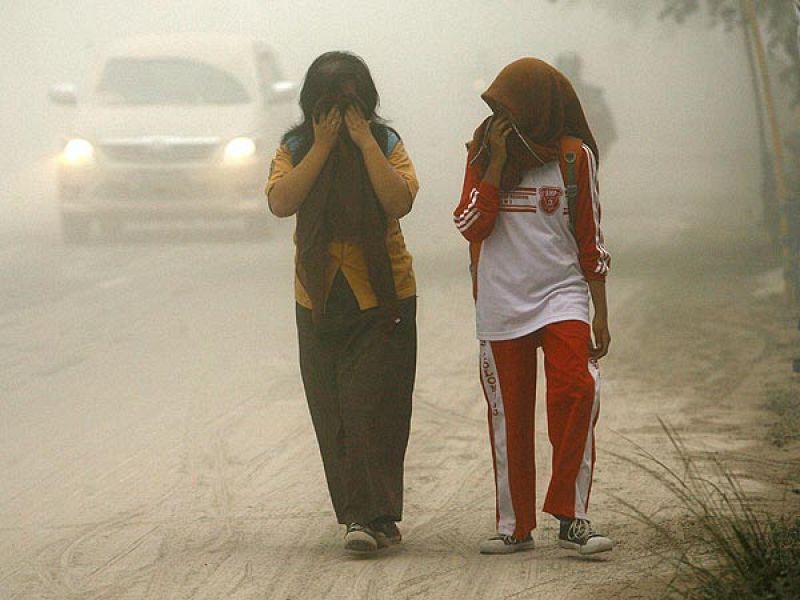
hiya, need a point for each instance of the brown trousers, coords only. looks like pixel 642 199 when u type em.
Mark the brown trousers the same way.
pixel 358 380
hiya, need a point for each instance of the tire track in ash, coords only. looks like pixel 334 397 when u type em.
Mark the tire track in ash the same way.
pixel 175 521
pixel 209 505
pixel 69 574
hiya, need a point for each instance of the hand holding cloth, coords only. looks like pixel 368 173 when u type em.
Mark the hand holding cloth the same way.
pixel 543 107
pixel 342 205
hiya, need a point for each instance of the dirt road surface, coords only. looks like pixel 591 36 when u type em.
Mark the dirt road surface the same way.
pixel 155 443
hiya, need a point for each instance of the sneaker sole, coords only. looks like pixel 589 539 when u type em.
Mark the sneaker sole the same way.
pixel 587 549
pixel 507 548
pixel 359 542
pixel 385 541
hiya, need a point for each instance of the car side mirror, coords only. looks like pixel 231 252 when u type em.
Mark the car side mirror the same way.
pixel 65 94
pixel 282 92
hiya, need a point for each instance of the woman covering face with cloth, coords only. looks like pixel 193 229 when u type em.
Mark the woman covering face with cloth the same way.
pixel 530 210
pixel 348 179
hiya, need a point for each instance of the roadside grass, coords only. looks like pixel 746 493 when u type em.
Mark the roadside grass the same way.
pixel 784 401
pixel 724 548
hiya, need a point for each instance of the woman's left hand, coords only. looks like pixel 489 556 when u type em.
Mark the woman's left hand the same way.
pixel 358 127
pixel 602 338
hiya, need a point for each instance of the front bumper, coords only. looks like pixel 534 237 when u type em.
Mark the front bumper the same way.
pixel 164 192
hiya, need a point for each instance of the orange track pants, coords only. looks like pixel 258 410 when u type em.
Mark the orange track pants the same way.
pixel 508 377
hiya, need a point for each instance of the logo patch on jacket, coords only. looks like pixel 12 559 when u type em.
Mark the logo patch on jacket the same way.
pixel 550 199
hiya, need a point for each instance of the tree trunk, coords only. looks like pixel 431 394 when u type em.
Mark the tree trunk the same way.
pixel 790 270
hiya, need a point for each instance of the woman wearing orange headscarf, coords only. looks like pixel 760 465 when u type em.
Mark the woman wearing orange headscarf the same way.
pixel 535 267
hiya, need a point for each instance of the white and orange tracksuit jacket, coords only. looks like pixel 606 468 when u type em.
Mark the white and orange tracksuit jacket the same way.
pixel 531 269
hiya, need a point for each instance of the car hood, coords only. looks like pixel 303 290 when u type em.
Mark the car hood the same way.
pixel 102 123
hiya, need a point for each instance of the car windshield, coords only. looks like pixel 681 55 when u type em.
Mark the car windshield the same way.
pixel 167 81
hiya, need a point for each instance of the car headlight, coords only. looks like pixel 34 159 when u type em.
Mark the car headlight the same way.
pixel 78 152
pixel 239 149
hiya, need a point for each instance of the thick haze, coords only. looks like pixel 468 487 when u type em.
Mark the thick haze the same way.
pixel 154 437
pixel 680 96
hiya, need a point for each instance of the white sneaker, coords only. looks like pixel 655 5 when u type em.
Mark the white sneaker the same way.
pixel 577 534
pixel 505 544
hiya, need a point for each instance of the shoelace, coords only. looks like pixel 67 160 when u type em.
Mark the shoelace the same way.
pixel 581 529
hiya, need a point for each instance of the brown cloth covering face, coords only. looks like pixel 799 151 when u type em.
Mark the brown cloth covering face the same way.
pixel 342 205
pixel 543 107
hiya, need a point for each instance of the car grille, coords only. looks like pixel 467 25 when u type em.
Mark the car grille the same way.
pixel 155 185
pixel 160 150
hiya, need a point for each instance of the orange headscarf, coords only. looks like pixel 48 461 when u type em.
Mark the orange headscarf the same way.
pixel 544 108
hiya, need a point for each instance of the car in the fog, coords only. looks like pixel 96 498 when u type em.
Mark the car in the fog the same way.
pixel 172 127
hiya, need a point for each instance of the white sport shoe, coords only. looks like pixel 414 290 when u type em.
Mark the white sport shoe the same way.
pixel 577 534
pixel 505 544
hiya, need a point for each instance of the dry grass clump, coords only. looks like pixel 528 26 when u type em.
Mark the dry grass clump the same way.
pixel 729 549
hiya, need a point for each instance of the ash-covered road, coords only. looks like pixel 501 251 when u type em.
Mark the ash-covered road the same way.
pixel 155 443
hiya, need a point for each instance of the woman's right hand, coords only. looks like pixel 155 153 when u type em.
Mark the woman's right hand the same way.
pixel 499 129
pixel 326 129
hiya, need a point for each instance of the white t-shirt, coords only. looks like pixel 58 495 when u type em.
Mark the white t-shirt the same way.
pixel 529 274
